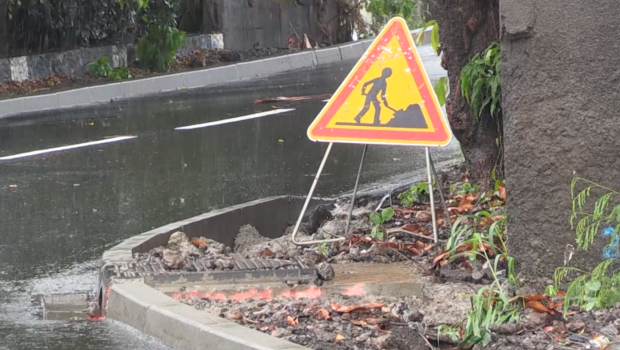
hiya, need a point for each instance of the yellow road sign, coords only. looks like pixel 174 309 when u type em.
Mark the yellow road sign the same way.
pixel 386 99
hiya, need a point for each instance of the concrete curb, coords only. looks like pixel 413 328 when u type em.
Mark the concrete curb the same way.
pixel 181 326
pixel 182 81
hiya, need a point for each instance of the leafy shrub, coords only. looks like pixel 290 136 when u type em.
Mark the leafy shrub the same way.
pixel 378 219
pixel 481 81
pixel 417 192
pixel 158 49
pixel 101 68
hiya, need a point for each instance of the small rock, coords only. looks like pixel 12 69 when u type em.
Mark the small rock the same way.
pixel 179 241
pixel 533 319
pixel 332 228
pixel 326 271
pixel 174 259
pixel 477 276
pixel 575 327
pixel 423 216
pixel 280 332
pixel 319 215
pixel 610 330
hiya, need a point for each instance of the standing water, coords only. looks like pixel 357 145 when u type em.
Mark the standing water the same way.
pixel 59 210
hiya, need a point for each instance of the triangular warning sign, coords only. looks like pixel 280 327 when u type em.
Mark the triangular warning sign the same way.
pixel 386 99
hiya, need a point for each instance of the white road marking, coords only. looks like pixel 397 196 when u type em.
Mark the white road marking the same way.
pixel 237 119
pixel 64 148
pixel 325 100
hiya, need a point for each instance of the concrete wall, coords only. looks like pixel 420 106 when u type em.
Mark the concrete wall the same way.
pixel 560 78
pixel 75 62
pixel 267 23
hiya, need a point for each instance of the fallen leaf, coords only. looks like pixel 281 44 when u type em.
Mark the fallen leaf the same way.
pixel 347 309
pixel 467 203
pixel 413 250
pixel 374 321
pixel 358 322
pixel 419 244
pixel 199 243
pixel 267 253
pixel 290 320
pixel 429 247
pixel 323 314
pixel 335 306
pixel 384 331
pixel 439 257
pixel 339 337
pixel 547 329
pixel 502 192
pixel 562 294
pixel 537 306
pixel 535 297
pixel 234 315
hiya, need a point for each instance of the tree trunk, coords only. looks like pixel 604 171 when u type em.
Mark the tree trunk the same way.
pixel 467 27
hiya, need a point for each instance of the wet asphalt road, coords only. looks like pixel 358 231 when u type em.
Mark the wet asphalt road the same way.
pixel 59 211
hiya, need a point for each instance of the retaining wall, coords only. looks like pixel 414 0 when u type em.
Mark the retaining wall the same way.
pixel 74 63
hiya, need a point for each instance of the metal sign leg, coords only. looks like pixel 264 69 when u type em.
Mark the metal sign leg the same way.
pixel 430 191
pixel 308 199
pixel 447 219
pixel 357 182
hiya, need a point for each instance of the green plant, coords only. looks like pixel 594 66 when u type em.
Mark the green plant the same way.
pixel 413 11
pixel 101 68
pixel 378 219
pixel 591 290
pixel 417 192
pixel 481 81
pixel 158 49
pixel 588 222
pixel 464 188
pixel 323 248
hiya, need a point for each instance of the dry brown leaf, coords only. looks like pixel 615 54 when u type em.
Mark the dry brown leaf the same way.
pixel 562 294
pixel 537 306
pixel 267 253
pixel 429 247
pixel 535 297
pixel 358 322
pixel 502 192
pixel 547 329
pixel 347 309
pixel 413 250
pixel 323 314
pixel 419 244
pixel 384 331
pixel 440 257
pixel 291 320
pixel 234 315
pixel 467 203
pixel 199 243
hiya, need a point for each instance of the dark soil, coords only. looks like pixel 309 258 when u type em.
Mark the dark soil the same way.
pixel 195 61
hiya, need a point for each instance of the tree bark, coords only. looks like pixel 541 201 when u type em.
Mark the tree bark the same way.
pixel 467 27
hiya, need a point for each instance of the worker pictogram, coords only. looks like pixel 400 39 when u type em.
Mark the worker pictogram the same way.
pixel 386 99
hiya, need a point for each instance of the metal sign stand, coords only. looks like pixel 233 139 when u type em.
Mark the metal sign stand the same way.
pixel 430 169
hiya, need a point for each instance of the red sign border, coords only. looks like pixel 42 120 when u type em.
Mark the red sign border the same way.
pixel 320 132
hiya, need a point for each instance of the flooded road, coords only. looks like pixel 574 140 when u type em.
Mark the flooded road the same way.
pixel 133 166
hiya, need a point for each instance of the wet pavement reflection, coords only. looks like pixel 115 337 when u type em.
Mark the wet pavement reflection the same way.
pixel 59 211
